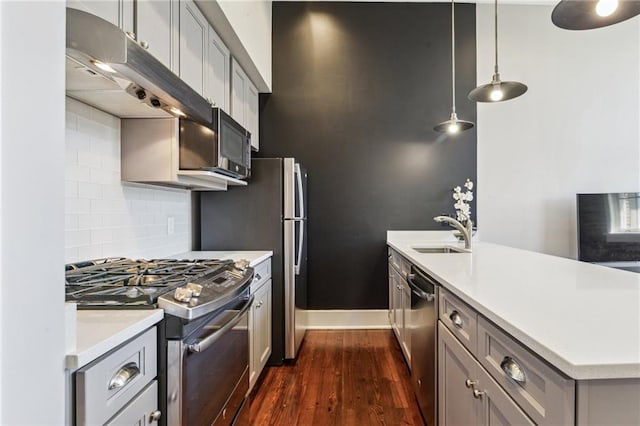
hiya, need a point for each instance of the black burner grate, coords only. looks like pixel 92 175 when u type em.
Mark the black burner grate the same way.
pixel 120 282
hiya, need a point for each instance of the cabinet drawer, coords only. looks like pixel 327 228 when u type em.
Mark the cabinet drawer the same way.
pixel 141 411
pixel 99 396
pixel 461 319
pixel 261 274
pixel 543 393
pixel 399 263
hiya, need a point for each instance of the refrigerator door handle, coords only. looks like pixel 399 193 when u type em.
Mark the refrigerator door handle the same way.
pixel 298 261
pixel 298 173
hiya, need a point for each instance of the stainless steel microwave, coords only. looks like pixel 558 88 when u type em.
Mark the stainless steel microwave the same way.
pixel 222 147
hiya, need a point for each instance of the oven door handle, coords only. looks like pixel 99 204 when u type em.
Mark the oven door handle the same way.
pixel 202 345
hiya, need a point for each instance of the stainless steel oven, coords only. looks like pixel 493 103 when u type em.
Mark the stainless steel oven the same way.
pixel 208 367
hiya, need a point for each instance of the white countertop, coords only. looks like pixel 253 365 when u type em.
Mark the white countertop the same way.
pixel 254 257
pixel 99 331
pixel 583 319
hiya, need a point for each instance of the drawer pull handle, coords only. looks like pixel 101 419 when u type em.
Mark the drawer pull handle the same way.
pixel 477 393
pixel 126 374
pixel 456 319
pixel 470 383
pixel 258 277
pixel 155 416
pixel 513 370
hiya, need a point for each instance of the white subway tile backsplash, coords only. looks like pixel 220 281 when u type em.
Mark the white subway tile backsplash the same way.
pixel 90 221
pixel 90 252
pixel 89 159
pixel 71 222
pixel 77 173
pixel 101 236
pixel 89 190
pixel 70 188
pixel 104 216
pixel 77 205
pixel 77 238
pixel 71 254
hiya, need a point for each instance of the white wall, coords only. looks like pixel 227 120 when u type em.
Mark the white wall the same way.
pixel 575 130
pixel 103 216
pixel 32 213
pixel 251 20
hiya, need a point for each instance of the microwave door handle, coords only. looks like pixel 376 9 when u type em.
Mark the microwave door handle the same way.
pixel 298 173
pixel 300 242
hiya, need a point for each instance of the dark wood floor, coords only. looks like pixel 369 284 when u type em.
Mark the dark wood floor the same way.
pixel 345 377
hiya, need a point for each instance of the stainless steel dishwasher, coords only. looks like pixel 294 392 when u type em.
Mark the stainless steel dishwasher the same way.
pixel 424 340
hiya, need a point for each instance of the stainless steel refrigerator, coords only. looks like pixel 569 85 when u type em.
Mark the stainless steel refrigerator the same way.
pixel 267 214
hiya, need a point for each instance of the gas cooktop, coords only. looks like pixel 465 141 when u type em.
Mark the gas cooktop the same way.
pixel 185 288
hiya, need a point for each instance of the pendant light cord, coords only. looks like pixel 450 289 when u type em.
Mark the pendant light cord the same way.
pixel 495 15
pixel 453 56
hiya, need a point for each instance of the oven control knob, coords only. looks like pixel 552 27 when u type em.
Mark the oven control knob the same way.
pixel 182 294
pixel 196 289
pixel 241 264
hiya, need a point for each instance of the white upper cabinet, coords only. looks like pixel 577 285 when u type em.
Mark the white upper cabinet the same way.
pixel 239 83
pixel 218 69
pixel 118 12
pixel 244 102
pixel 194 31
pixel 251 115
pixel 156 29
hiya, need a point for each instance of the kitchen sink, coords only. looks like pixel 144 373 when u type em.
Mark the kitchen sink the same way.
pixel 441 249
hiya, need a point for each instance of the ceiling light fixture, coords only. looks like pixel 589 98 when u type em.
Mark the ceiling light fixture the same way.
pixel 453 125
pixel 497 90
pixel 591 14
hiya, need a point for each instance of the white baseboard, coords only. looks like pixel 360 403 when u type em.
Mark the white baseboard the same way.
pixel 346 319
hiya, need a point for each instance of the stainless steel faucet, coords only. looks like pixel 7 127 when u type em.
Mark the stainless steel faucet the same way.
pixel 466 231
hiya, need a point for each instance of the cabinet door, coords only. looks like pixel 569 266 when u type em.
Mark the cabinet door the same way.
pixel 239 83
pixel 456 403
pixel 406 320
pixel 251 114
pixel 391 293
pixel 263 329
pixel 156 24
pixel 497 407
pixel 480 402
pixel 218 69
pixel 118 12
pixel 397 308
pixel 260 333
pixel 193 46
pixel 141 411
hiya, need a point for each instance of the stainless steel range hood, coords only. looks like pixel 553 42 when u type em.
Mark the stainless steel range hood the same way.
pixel 109 70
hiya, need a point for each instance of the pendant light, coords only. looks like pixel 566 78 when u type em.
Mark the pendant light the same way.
pixel 453 124
pixel 590 14
pixel 497 90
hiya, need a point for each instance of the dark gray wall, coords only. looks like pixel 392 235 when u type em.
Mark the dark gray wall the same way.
pixel 357 89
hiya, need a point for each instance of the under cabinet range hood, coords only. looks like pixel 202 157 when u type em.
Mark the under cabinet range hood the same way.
pixel 108 69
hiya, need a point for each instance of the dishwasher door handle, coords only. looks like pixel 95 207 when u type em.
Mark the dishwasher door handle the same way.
pixel 429 297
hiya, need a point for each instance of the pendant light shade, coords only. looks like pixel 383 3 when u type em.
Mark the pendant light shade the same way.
pixel 453 125
pixel 590 14
pixel 497 90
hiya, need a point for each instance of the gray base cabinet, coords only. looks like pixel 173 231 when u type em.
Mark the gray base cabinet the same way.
pixel 400 303
pixel 467 395
pixel 260 318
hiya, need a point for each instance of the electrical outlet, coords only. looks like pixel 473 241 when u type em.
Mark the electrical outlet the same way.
pixel 171 225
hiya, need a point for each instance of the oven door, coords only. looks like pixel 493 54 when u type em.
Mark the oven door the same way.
pixel 213 378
